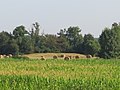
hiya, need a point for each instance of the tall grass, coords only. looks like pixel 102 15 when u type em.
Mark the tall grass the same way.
pixel 82 74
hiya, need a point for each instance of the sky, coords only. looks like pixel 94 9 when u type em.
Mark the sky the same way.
pixel 92 16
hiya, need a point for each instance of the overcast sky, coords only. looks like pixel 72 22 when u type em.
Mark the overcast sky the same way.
pixel 92 16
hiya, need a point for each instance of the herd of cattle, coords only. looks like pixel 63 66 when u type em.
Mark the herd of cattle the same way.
pixel 67 57
pixel 6 56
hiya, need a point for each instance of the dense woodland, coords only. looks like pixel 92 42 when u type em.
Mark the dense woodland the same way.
pixel 23 41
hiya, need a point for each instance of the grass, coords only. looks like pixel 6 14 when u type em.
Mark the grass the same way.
pixel 85 74
pixel 50 55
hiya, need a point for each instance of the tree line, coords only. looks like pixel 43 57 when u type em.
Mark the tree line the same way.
pixel 70 40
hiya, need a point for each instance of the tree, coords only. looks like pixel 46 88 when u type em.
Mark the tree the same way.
pixel 73 36
pixel 23 40
pixel 90 45
pixel 26 45
pixel 35 30
pixel 110 42
pixel 62 44
pixel 7 44
pixel 62 33
pixel 34 33
pixel 51 43
pixel 4 39
pixel 62 41
pixel 10 48
pixel 19 31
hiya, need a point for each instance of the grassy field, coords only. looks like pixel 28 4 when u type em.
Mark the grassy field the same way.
pixel 84 74
pixel 50 55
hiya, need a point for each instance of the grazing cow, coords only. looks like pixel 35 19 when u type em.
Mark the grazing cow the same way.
pixel 43 58
pixel 77 57
pixel 7 56
pixel 88 56
pixel 62 56
pixel 55 57
pixel 67 58
pixel 10 55
pixel 1 56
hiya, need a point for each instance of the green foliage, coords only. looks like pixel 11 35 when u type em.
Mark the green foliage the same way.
pixel 10 48
pixel 4 38
pixel 37 29
pixel 51 43
pixel 90 45
pixel 110 42
pixel 34 33
pixel 26 45
pixel 62 44
pixel 22 41
pixel 7 44
pixel 19 31
pixel 73 37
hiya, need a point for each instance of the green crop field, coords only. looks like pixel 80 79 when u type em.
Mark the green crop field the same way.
pixel 85 74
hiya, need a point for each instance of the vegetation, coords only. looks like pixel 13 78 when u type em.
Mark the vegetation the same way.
pixel 22 73
pixel 110 42
pixel 90 45
pixel 87 74
pixel 22 41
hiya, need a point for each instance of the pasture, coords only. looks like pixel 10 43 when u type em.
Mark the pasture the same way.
pixel 82 74
pixel 51 55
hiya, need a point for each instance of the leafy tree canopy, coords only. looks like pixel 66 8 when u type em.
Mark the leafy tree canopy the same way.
pixel 110 42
